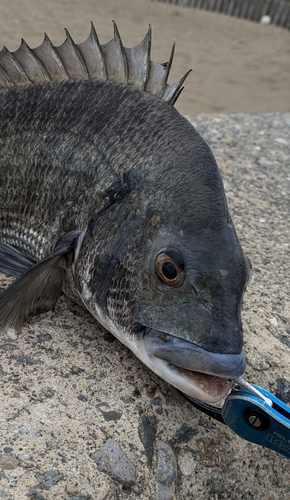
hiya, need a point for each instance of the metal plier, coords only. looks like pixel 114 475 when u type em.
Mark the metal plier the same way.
pixel 254 414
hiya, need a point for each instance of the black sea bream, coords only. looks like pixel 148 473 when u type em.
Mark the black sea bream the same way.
pixel 110 195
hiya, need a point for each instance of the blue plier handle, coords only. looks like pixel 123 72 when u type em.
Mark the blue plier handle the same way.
pixel 255 415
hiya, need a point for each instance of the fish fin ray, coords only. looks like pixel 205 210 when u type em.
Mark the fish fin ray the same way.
pixel 158 76
pixel 139 61
pixel 89 59
pixel 48 55
pixel 30 63
pixel 35 291
pixel 38 289
pixel 93 56
pixel 173 91
pixel 72 58
pixel 13 261
pixel 115 58
pixel 12 68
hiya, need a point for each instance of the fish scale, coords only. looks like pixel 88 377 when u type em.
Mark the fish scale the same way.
pixel 110 195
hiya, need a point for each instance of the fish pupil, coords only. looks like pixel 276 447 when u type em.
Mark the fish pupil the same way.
pixel 169 270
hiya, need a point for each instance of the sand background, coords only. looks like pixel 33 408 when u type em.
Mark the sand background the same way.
pixel 66 386
pixel 238 65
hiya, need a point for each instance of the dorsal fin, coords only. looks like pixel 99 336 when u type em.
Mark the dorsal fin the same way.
pixel 89 59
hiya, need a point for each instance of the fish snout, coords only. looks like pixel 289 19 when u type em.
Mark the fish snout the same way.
pixel 184 354
pixel 224 337
pixel 193 370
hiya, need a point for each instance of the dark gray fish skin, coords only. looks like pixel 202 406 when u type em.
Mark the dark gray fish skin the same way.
pixel 131 178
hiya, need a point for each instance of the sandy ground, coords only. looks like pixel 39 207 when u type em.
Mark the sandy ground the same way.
pixel 238 65
pixel 66 385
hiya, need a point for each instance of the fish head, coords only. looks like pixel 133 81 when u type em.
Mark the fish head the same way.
pixel 163 270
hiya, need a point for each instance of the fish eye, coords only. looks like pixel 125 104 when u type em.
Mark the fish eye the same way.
pixel 169 266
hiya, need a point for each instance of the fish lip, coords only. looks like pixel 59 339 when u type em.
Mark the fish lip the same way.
pixel 190 368
pixel 190 356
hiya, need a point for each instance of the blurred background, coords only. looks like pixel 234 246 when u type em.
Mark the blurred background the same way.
pixel 238 65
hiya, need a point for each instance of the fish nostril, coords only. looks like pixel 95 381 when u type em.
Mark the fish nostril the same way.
pixel 195 290
pixel 163 337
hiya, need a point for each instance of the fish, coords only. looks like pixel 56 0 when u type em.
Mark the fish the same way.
pixel 110 195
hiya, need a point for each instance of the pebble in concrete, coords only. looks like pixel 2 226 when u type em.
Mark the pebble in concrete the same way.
pixel 7 462
pixel 186 464
pixel 166 475
pixel 111 460
pixel 184 434
pixel 146 431
pixel 45 481
pixel 48 479
pixel 258 362
pixel 283 390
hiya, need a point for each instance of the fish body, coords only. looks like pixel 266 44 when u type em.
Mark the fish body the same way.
pixel 108 193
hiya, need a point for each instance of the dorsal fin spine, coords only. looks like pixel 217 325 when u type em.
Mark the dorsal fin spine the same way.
pixel 169 64
pixel 148 41
pixel 139 61
pixel 78 53
pixel 71 58
pixel 12 67
pixel 172 92
pixel 48 55
pixel 31 65
pixel 92 53
pixel 4 78
pixel 89 59
pixel 124 73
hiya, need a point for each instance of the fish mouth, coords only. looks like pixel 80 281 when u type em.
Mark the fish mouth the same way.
pixel 199 373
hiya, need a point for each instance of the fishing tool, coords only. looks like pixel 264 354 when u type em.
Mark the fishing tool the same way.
pixel 254 414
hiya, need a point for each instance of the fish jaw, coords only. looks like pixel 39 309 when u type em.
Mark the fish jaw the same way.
pixel 198 373
pixel 207 388
pixel 194 371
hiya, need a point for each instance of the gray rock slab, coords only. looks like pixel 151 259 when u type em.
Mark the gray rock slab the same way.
pixel 111 460
pixel 146 432
pixel 166 475
pixel 283 390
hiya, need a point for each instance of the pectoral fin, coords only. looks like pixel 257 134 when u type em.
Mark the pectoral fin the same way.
pixel 12 261
pixel 38 289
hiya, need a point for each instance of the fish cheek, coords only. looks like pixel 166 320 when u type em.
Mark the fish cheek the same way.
pixel 180 315
pixel 122 298
pixel 130 275
pixel 100 251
